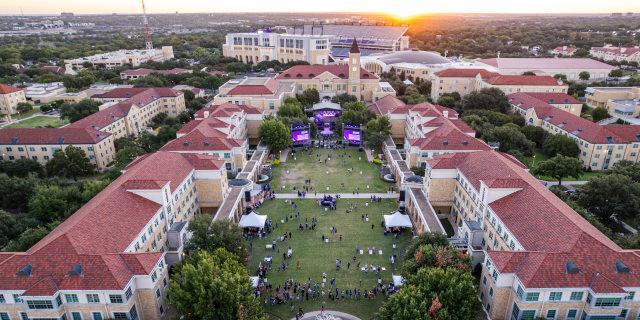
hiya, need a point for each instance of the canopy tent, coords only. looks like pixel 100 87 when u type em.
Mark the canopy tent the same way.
pixel 326 105
pixel 254 281
pixel 252 220
pixel 397 219
pixel 397 280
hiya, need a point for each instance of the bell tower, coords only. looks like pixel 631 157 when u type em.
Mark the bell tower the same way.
pixel 354 70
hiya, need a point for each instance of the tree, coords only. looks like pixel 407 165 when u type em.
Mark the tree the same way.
pixel 275 134
pixel 627 168
pixel 291 110
pixel 343 98
pixel 77 111
pixel 433 294
pixel 510 138
pixel 581 53
pixel 376 132
pixel 188 95
pixel 413 96
pixel 127 154
pixel 528 73
pixel 617 73
pixel 559 167
pixel 488 99
pixel 10 228
pixel 535 134
pixel 15 192
pixel 71 162
pixel 24 107
pixel 308 97
pixel 208 236
pixel 53 202
pixel 21 168
pixel 560 76
pixel 29 237
pixel 599 114
pixel 213 286
pixel 556 144
pixel 237 67
pixel 584 75
pixel 612 194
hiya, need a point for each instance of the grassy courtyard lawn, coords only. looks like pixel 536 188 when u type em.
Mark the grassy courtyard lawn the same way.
pixel 339 180
pixel 317 257
pixel 39 121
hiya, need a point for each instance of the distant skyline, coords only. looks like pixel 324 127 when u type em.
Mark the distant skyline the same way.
pixel 400 8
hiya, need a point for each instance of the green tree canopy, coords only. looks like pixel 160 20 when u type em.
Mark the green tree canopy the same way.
pixel 559 167
pixel 560 144
pixel 213 286
pixel 291 110
pixel 584 75
pixel 510 138
pixel 309 97
pixel 376 132
pixel 208 236
pixel 599 114
pixel 77 111
pixel 488 99
pixel 612 194
pixel 535 134
pixel 71 162
pixel 433 293
pixel 627 168
pixel 275 134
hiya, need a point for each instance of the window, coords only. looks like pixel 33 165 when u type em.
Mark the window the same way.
pixel 555 296
pixel 164 282
pixel 515 312
pixel 128 293
pixel 115 298
pixel 551 314
pixel 71 298
pixel 16 298
pixel 4 316
pixel 571 314
pixel 120 315
pixel 93 298
pixel 96 315
pixel 133 313
pixel 520 292
pixel 607 302
pixel 76 315
pixel 154 277
pixel 158 293
pixel 40 304
pixel 576 296
pixel 630 295
pixel 623 313
pixel 532 296
pixel 528 315
pixel 24 316
pixel 2 299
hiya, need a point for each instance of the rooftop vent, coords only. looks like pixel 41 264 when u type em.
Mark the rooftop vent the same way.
pixel 445 142
pixel 61 140
pixel 341 75
pixel 465 142
pixel 311 75
pixel 287 75
pixel 76 270
pixel 621 267
pixel 299 75
pixel 14 140
pixel 25 271
pixel 206 143
pixel 571 267
pixel 609 139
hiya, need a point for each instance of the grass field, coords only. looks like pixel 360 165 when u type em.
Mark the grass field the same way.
pixel 39 121
pixel 334 174
pixel 317 257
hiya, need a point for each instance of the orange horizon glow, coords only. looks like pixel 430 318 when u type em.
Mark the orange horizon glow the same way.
pixel 402 9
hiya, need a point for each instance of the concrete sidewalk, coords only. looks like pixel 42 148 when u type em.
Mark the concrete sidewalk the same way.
pixel 310 195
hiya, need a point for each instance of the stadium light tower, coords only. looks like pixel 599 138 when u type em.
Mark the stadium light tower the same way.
pixel 147 33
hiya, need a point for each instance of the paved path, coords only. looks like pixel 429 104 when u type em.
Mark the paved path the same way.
pixel 369 154
pixel 564 183
pixel 328 315
pixel 310 195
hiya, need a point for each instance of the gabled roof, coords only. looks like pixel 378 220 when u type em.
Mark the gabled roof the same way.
pixel 465 73
pixel 553 97
pixel 447 136
pixel 51 136
pixel 6 89
pixel 387 105
pixel 531 64
pixel 268 87
pixel 524 80
pixel 312 71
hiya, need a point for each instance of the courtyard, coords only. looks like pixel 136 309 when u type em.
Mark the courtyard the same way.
pixel 311 256
pixel 341 171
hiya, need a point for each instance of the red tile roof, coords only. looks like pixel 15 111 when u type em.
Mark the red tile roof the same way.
pixel 524 80
pixel 312 71
pixel 269 87
pixel 138 94
pixel 447 136
pixel 51 136
pixel 623 52
pixel 6 89
pixel 578 126
pixel 533 64
pixel 226 109
pixel 465 73
pixel 553 97
pixel 387 105
pixel 146 72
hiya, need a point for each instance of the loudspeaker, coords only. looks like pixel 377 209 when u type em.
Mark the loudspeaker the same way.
pixel 402 195
pixel 247 196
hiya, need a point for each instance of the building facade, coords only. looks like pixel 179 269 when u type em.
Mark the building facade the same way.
pixel 610 53
pixel 264 93
pixel 115 59
pixel 570 67
pixel 10 96
pixel 255 47
pixel 600 96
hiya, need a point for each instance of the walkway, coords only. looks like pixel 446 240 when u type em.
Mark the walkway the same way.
pixel 284 154
pixel 564 183
pixel 369 154
pixel 328 315
pixel 310 195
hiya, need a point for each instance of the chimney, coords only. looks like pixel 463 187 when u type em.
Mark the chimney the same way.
pixel 445 113
pixel 206 114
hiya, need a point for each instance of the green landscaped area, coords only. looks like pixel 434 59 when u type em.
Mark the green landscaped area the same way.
pixel 539 157
pixel 316 256
pixel 39 121
pixel 335 174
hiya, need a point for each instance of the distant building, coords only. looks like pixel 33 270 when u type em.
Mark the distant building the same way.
pixel 10 96
pixel 610 53
pixel 460 80
pixel 262 45
pixel 570 67
pixel 264 93
pixel 564 51
pixel 119 58
pixel 599 96
pixel 412 64
pixel 44 92
pixel 66 15
pixel 371 39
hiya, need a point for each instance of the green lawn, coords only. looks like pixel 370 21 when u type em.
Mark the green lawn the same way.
pixel 18 116
pixel 39 121
pixel 334 174
pixel 317 257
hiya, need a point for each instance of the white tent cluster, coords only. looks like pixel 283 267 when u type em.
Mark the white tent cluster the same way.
pixel 397 220
pixel 252 220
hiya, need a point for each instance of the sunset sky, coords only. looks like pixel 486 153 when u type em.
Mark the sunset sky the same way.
pixel 396 7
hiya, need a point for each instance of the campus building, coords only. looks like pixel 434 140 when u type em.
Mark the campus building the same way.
pixel 219 130
pixel 563 51
pixel 540 258
pixel 115 59
pixel 412 64
pixel 10 96
pixel 264 93
pixel 372 39
pixel 262 45
pixel 570 67
pixel 460 80
pixel 110 259
pixel 40 144
pixel 600 96
pixel 611 53
pixel 601 146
